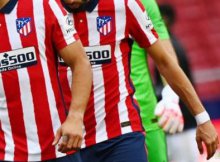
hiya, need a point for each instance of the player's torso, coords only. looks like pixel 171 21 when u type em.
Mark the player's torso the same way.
pixel 112 111
pixel 28 97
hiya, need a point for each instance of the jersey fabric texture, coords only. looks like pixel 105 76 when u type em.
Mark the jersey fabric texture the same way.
pixel 107 34
pixel 140 71
pixel 31 105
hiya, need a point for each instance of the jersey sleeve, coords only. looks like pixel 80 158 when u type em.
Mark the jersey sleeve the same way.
pixel 64 32
pixel 154 13
pixel 139 24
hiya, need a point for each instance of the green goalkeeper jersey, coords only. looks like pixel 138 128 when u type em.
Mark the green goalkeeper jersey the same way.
pixel 140 72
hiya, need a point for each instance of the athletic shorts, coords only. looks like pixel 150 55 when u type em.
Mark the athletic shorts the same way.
pixel 156 146
pixel 69 158
pixel 129 147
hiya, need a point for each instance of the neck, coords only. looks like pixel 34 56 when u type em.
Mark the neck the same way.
pixel 3 3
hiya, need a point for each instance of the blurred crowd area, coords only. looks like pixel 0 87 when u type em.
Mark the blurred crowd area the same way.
pixel 197 27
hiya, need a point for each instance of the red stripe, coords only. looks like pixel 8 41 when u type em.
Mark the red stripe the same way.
pixel 111 89
pixel 57 31
pixel 139 35
pixel 90 122
pixel 65 85
pixel 4 46
pixel 2 143
pixel 10 81
pixel 133 112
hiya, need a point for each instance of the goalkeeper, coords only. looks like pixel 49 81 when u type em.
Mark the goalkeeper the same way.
pixel 170 117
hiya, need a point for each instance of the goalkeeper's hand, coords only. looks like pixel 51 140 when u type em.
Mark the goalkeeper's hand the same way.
pixel 168 111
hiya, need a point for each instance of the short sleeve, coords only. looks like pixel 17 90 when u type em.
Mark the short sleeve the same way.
pixel 154 13
pixel 140 25
pixel 64 32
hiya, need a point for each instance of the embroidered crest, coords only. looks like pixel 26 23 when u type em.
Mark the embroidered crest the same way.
pixel 23 25
pixel 104 24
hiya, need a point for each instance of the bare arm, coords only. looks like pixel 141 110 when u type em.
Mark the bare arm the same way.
pixel 81 78
pixel 169 68
pixel 71 130
pixel 169 48
pixel 176 78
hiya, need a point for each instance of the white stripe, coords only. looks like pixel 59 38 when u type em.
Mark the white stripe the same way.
pixel 26 96
pixel 122 108
pixel 29 26
pixel 69 75
pixel 141 19
pixel 5 124
pixel 98 79
pixel 25 30
pixel 207 75
pixel 21 31
pixel 40 27
pixel 62 21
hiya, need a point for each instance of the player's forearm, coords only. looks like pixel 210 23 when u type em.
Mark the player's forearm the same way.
pixel 81 86
pixel 175 77
pixel 169 47
pixel 182 86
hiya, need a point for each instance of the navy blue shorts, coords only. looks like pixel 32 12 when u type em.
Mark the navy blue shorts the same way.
pixel 69 158
pixel 126 148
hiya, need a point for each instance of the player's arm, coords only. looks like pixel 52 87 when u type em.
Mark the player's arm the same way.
pixel 75 56
pixel 168 109
pixel 176 78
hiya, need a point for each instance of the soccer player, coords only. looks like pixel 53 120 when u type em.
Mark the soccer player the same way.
pixel 113 130
pixel 168 107
pixel 32 111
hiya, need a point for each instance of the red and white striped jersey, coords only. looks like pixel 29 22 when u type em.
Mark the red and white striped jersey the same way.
pixel 31 105
pixel 107 33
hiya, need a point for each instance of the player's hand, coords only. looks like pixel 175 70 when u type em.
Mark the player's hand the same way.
pixel 207 134
pixel 69 136
pixel 168 111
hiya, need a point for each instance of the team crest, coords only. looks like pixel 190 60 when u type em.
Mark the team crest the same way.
pixel 104 24
pixel 23 25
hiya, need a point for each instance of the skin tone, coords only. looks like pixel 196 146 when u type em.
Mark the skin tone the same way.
pixel 3 3
pixel 169 68
pixel 74 4
pixel 80 67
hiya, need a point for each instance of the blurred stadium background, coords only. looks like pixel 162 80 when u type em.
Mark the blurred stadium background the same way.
pixel 197 26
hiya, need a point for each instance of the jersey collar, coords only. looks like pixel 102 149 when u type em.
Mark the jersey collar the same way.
pixel 8 7
pixel 89 7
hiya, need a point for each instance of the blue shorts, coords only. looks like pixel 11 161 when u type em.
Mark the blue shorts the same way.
pixel 126 148
pixel 68 158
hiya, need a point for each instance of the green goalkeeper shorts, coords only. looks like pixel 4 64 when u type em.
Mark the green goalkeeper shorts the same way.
pixel 156 146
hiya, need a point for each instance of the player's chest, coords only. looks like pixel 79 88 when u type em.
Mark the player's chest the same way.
pixel 98 29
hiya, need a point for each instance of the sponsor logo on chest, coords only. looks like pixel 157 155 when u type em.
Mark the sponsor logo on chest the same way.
pixel 99 54
pixel 17 59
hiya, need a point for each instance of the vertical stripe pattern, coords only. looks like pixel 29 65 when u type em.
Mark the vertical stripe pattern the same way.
pixel 31 105
pixel 111 111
